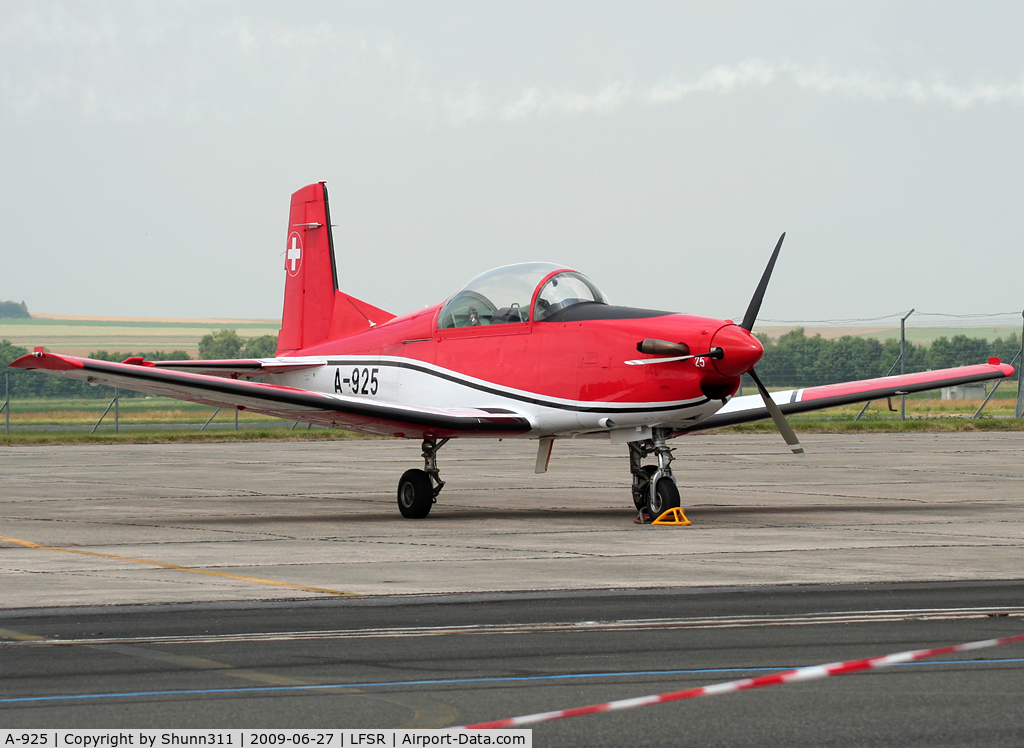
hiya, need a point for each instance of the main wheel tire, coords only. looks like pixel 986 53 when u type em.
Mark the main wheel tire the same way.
pixel 666 496
pixel 415 494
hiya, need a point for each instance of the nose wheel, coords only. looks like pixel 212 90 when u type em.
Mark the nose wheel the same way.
pixel 654 486
pixel 418 489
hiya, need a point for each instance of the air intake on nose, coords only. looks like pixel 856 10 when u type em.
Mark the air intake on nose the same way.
pixel 662 347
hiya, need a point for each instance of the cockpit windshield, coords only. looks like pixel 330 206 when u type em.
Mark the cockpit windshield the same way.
pixel 562 291
pixel 503 296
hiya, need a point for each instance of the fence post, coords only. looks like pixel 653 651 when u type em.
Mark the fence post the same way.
pixel 1019 410
pixel 211 419
pixel 889 373
pixel 903 359
pixel 994 388
pixel 109 406
pixel 117 412
pixel 7 402
pixel 236 419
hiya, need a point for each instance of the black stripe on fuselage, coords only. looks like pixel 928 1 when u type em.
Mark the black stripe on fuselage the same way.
pixel 515 395
pixel 316 401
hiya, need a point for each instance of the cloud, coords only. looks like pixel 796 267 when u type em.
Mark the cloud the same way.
pixel 141 63
pixel 867 86
pixel 732 80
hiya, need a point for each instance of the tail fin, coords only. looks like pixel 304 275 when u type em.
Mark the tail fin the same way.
pixel 314 309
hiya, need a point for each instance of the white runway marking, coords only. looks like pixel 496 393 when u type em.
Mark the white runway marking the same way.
pixel 649 624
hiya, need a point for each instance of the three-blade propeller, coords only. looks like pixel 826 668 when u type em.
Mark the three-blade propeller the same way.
pixel 748 324
pixel 681 352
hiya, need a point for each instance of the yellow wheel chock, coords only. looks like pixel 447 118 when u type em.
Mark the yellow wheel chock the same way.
pixel 673 516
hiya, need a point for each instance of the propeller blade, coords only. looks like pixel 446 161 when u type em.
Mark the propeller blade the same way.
pixel 780 420
pixel 755 303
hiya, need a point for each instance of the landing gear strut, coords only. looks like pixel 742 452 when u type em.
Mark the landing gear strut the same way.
pixel 654 487
pixel 418 489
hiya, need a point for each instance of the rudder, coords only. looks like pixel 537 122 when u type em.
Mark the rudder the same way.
pixel 314 309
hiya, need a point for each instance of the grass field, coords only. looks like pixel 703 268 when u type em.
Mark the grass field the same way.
pixel 131 410
pixel 76 417
pixel 923 414
pixel 80 336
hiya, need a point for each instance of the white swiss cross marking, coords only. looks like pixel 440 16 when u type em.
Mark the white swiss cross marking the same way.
pixel 294 255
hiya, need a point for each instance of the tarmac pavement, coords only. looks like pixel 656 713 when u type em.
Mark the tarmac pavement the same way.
pixel 143 524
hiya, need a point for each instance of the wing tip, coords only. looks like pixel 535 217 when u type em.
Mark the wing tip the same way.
pixel 39 359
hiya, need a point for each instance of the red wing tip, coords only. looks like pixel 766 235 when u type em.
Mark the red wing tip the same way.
pixel 1005 368
pixel 39 359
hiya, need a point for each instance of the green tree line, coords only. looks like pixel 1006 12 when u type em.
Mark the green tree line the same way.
pixel 795 360
pixel 222 344
pixel 12 309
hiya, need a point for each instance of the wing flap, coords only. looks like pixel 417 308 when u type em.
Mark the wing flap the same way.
pixel 751 408
pixel 340 411
pixel 235 368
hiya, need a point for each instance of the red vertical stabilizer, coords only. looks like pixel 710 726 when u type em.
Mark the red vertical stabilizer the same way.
pixel 314 309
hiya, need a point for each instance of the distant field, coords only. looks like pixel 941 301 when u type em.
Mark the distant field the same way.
pixel 914 334
pixel 79 336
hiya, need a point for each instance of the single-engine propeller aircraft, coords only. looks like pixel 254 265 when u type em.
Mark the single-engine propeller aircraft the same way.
pixel 532 350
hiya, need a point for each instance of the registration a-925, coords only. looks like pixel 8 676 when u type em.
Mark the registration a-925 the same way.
pixel 358 382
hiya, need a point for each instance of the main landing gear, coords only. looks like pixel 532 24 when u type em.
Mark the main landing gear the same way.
pixel 418 489
pixel 654 488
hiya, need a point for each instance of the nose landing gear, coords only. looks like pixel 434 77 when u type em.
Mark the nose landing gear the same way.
pixel 654 487
pixel 418 489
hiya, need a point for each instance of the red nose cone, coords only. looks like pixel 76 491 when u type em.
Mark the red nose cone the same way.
pixel 741 350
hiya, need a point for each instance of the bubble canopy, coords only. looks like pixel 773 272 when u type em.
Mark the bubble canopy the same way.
pixel 504 295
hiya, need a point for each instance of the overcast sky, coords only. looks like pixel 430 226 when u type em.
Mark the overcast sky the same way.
pixel 149 151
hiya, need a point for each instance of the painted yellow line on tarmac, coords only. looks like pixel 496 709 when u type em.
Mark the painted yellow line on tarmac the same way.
pixel 176 567
pixel 18 636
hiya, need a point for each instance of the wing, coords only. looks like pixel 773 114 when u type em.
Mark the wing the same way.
pixel 751 407
pixel 222 391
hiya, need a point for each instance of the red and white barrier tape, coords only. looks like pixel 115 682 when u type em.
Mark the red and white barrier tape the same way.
pixel 789 676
